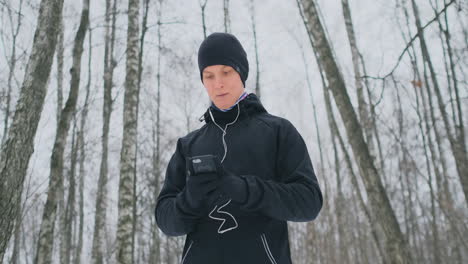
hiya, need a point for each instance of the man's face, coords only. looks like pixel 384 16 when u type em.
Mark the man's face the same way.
pixel 223 84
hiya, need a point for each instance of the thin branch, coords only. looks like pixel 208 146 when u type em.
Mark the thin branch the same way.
pixel 410 43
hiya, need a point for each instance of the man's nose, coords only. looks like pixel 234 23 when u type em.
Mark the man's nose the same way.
pixel 219 82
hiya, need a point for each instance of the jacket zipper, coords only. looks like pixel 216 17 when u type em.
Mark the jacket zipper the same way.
pixel 186 253
pixel 267 249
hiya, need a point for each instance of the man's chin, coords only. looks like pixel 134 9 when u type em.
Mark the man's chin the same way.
pixel 223 106
pixel 221 103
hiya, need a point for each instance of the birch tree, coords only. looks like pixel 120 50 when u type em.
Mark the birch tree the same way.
pixel 12 62
pixel 128 152
pixel 227 19
pixel 70 217
pixel 456 140
pixel 203 7
pixel 61 191
pixel 46 233
pixel 155 252
pixel 19 146
pixel 395 243
pixel 144 29
pixel 254 32
pixel 101 199
pixel 82 155
pixel 60 58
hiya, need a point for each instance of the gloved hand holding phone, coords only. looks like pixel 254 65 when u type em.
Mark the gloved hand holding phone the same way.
pixel 202 181
pixel 208 184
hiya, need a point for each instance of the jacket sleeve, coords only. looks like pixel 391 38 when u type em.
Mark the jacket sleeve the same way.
pixel 294 194
pixel 170 217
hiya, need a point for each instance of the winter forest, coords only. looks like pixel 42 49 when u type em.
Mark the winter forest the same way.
pixel 95 94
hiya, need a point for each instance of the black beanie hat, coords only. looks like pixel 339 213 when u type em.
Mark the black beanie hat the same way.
pixel 223 49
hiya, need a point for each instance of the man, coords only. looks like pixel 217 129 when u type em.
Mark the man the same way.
pixel 232 185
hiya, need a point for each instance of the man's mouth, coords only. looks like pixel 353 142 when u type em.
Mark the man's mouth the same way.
pixel 221 95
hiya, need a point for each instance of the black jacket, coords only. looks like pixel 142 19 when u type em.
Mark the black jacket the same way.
pixel 272 157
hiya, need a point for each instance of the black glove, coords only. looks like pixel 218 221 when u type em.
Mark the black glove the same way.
pixel 234 187
pixel 202 180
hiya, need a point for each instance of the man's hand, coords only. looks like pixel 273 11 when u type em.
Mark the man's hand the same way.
pixel 202 181
pixel 199 187
pixel 230 186
pixel 233 186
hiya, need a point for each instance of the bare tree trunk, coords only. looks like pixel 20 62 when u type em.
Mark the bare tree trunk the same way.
pixel 227 19
pixel 442 182
pixel 46 234
pixel 446 66
pixel 457 142
pixel 158 103
pixel 328 255
pixel 144 29
pixel 203 6
pixel 11 65
pixel 460 127
pixel 367 115
pixel 339 207
pixel 404 167
pixel 24 248
pixel 415 228
pixel 167 250
pixel 343 256
pixel 360 255
pixel 445 195
pixel 155 251
pixel 18 147
pixel 127 155
pixel 396 246
pixel 11 72
pixel 425 119
pixel 311 240
pixel 362 105
pixel 434 229
pixel 334 259
pixel 61 222
pixel 373 120
pixel 333 126
pixel 17 237
pixel 98 246
pixel 61 190
pixel 82 154
pixel 254 29
pixel 375 231
pixel 59 55
pixel 330 242
pixel 70 207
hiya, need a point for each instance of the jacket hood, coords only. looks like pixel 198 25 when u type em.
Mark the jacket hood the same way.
pixel 250 106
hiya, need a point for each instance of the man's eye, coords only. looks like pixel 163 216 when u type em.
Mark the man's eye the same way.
pixel 227 72
pixel 209 77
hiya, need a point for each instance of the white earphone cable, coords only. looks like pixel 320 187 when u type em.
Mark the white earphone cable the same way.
pixel 216 208
pixel 225 129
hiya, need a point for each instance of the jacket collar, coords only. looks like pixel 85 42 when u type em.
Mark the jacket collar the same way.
pixel 250 106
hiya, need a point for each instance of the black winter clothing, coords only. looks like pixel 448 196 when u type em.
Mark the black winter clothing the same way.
pixel 272 157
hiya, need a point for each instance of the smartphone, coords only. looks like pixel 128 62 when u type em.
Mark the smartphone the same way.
pixel 202 164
